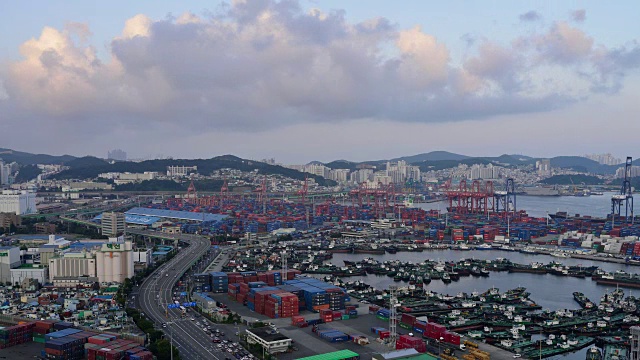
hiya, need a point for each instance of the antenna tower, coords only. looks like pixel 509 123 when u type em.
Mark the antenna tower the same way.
pixel 393 317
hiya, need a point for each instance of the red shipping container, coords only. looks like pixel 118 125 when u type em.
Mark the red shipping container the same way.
pixel 439 329
pixel 384 334
pixel 408 319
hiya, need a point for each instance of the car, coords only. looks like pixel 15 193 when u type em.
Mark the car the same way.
pixel 221 334
pixel 515 356
pixel 164 325
pixel 216 340
pixel 193 319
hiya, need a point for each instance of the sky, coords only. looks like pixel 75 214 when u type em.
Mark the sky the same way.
pixel 320 80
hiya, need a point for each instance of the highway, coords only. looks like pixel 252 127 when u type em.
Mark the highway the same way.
pixel 155 294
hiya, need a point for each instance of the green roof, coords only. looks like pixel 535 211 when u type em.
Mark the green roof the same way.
pixel 30 266
pixel 336 355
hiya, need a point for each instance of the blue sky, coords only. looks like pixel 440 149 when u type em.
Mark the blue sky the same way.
pixel 474 68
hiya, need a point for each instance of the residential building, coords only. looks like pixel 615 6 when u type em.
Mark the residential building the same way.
pixel 113 223
pixel 270 340
pixel 477 171
pixel 339 175
pixel 635 172
pixel 117 154
pixel 605 159
pixel 181 171
pixel 543 167
pixel 7 219
pixel 5 172
pixel 9 259
pixel 317 169
pixel 45 228
pixel 361 175
pixel 19 202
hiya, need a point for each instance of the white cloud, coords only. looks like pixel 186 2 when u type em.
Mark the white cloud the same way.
pixel 264 65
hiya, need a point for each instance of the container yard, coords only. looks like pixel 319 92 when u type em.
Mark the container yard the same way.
pixel 278 299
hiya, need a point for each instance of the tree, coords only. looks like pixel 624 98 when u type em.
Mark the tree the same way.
pixel 162 348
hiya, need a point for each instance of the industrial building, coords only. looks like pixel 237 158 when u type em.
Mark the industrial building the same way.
pixel 271 341
pixel 19 202
pixel 176 215
pixel 72 265
pixel 113 223
pixel 114 262
pixel 9 259
pixel 30 271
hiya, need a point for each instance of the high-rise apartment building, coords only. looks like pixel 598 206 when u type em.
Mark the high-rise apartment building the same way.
pixel 117 154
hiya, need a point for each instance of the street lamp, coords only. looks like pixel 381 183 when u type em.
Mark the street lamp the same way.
pixel 439 341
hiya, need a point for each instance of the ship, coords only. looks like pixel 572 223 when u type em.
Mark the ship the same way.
pixel 563 215
pixel 593 354
pixel 541 191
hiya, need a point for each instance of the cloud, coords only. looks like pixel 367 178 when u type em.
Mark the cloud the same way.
pixel 579 15
pixel 260 65
pixel 530 16
pixel 564 44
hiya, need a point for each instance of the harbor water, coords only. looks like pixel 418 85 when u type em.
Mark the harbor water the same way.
pixel 549 291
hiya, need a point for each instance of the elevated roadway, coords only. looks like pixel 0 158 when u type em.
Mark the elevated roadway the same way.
pixel 155 294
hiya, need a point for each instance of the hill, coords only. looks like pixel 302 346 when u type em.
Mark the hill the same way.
pixel 27 173
pixel 573 180
pixel 24 158
pixel 89 168
pixel 432 156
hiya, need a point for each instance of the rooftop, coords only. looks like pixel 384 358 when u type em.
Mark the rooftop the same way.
pixel 266 334
pixel 135 219
pixel 174 214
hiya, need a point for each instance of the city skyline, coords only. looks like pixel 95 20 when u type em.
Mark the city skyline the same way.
pixel 303 81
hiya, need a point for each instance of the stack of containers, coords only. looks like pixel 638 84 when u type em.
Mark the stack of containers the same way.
pixel 219 282
pixel 235 278
pixel 452 338
pixel 333 335
pixel 42 328
pixel 288 304
pixel 17 334
pixel 435 331
pixel 407 321
pixel 420 327
pixel 202 282
pixel 61 325
pixel 410 342
pixel 99 349
pixel 382 333
pixel 383 314
pixel 326 315
pixel 232 291
pixel 66 344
